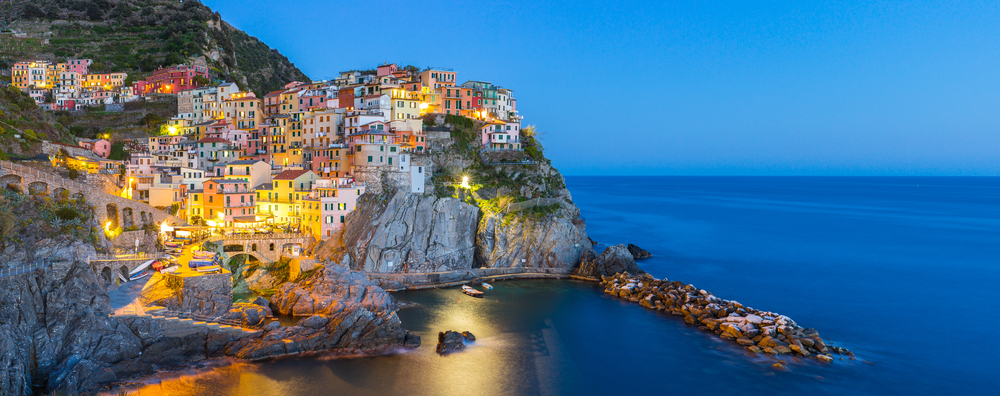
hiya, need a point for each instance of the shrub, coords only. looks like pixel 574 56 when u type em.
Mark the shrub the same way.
pixel 67 213
pixel 74 174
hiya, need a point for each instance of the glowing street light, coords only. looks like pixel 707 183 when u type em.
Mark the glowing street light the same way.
pixel 465 182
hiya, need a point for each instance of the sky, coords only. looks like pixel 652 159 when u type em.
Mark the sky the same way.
pixel 695 87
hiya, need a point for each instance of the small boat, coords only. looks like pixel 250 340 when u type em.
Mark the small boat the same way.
pixel 201 263
pixel 169 270
pixel 210 269
pixel 140 268
pixel 472 292
pixel 140 275
pixel 487 286
pixel 172 245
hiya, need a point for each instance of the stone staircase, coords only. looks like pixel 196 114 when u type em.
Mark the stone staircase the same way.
pixel 125 302
pixel 180 324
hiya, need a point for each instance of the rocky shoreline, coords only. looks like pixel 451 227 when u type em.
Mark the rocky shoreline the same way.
pixel 759 332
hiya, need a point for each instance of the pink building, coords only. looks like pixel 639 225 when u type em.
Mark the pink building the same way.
pixel 78 65
pixel 100 147
pixel 173 79
pixel 386 69
pixel 227 131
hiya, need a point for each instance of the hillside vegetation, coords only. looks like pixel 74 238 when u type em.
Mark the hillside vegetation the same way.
pixel 139 36
pixel 23 125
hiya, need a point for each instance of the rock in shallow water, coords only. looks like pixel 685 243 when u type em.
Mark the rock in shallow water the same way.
pixel 450 341
pixel 638 252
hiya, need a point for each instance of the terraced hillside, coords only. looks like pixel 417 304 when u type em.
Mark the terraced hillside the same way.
pixel 139 36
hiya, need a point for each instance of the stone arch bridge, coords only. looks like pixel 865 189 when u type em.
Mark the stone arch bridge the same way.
pixel 121 212
pixel 264 247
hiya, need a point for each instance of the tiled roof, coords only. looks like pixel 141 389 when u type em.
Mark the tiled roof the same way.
pixel 290 174
pixel 213 140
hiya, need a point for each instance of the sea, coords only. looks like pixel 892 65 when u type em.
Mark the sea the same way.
pixel 903 271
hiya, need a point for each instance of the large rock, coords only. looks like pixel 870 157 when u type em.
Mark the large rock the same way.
pixel 333 290
pixel 450 341
pixel 409 232
pixel 638 252
pixel 615 259
pixel 355 330
pixel 249 315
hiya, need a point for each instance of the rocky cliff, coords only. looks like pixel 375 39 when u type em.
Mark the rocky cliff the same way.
pixel 347 314
pixel 414 233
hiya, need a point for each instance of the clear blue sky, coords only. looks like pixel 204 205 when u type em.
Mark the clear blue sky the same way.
pixel 693 88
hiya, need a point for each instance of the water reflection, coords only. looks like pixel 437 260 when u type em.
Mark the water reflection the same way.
pixel 533 337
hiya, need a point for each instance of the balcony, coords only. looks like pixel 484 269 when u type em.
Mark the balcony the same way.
pixel 240 205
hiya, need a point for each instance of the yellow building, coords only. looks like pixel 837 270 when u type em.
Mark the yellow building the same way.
pixel 281 201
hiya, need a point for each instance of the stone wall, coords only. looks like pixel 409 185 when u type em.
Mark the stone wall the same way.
pixel 106 206
pixel 209 295
pixel 147 241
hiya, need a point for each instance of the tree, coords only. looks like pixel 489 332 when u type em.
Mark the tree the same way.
pixel 94 12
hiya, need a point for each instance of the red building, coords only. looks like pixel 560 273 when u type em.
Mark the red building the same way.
pixel 346 96
pixel 172 79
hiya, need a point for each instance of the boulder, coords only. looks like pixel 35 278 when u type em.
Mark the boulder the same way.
pixel 468 335
pixel 249 315
pixel 638 252
pixel 614 259
pixel 314 322
pixel 450 341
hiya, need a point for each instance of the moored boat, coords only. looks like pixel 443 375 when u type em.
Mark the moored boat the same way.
pixel 487 286
pixel 472 292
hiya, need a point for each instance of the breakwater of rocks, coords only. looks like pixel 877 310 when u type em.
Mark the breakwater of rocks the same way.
pixel 760 332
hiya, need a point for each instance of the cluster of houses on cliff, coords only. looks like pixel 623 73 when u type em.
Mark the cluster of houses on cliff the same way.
pixel 301 156
pixel 70 85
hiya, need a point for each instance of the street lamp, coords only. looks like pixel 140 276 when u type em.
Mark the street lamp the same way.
pixel 465 182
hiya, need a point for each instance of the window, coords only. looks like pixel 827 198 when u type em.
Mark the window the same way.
pixel 341 219
pixel 369 158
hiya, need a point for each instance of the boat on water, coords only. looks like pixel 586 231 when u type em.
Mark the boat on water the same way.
pixel 487 286
pixel 472 292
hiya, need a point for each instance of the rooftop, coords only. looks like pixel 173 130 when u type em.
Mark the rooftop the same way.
pixel 290 174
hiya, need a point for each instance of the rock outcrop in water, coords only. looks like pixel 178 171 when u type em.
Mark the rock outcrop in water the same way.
pixel 638 252
pixel 453 341
pixel 757 331
pixel 614 259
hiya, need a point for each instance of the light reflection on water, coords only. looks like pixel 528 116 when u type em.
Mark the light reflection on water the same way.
pixel 533 337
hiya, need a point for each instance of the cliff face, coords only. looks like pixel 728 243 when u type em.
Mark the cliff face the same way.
pixel 54 330
pixel 544 243
pixel 412 233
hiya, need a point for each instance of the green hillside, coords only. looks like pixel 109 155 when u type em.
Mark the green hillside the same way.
pixel 139 36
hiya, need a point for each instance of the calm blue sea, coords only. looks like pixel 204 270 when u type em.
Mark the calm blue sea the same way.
pixel 903 271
